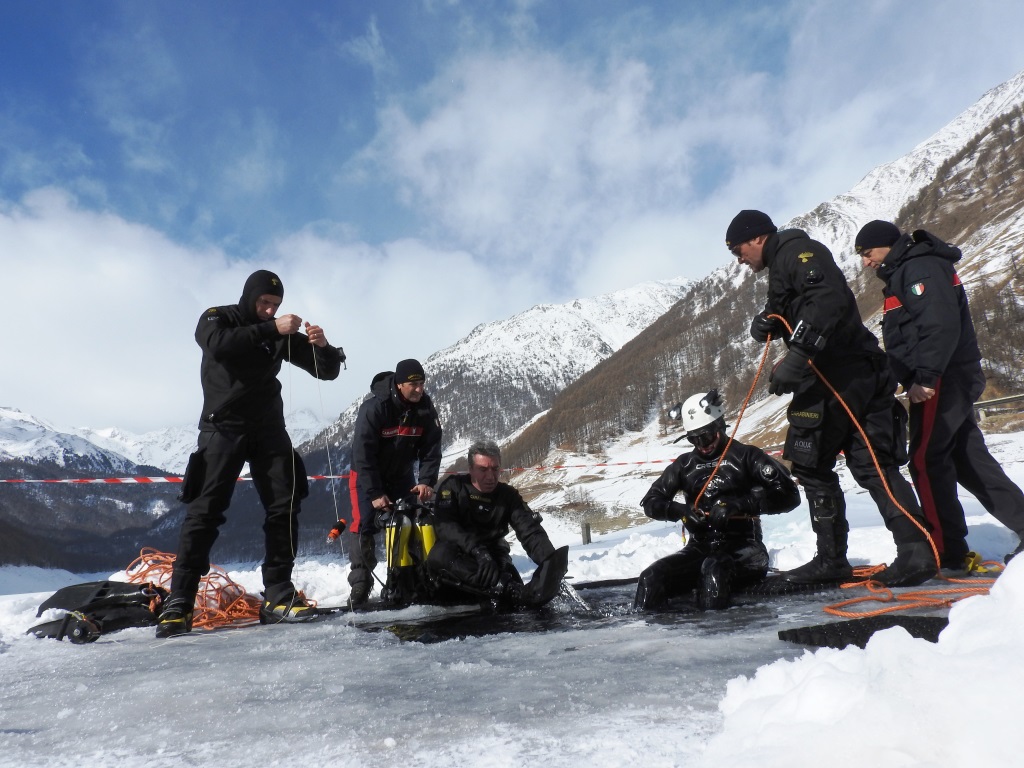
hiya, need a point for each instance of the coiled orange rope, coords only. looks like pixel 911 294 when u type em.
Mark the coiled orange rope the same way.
pixel 220 602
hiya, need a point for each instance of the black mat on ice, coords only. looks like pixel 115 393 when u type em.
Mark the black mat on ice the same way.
pixel 857 632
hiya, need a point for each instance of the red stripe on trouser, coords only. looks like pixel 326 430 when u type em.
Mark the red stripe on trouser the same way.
pixel 929 408
pixel 353 495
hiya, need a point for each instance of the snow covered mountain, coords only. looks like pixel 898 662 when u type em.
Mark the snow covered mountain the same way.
pixel 960 184
pixel 170 447
pixel 883 192
pixel 31 440
pixel 504 373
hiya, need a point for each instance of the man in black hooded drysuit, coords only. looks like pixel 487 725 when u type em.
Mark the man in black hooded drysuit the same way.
pixel 242 421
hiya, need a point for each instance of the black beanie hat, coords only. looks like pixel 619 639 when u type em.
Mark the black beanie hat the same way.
pixel 876 234
pixel 747 225
pixel 259 283
pixel 409 370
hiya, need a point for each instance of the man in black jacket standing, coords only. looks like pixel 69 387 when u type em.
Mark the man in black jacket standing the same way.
pixel 396 429
pixel 933 349
pixel 472 516
pixel 747 483
pixel 242 421
pixel 807 288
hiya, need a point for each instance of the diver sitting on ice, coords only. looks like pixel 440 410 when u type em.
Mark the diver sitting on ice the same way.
pixel 725 550
pixel 472 516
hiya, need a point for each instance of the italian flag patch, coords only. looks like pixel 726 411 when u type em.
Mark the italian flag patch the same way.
pixel 917 289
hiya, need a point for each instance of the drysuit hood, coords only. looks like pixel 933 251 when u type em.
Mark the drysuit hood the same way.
pixel 259 283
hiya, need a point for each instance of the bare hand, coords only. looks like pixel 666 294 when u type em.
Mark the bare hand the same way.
pixel 381 502
pixel 288 324
pixel 316 335
pixel 919 394
pixel 423 492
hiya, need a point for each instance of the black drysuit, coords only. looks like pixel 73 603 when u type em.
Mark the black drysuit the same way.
pixel 749 480
pixel 391 436
pixel 466 520
pixel 930 339
pixel 243 420
pixel 805 284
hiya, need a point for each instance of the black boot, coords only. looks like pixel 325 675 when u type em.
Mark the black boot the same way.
pixel 176 615
pixel 282 603
pixel 914 564
pixel 828 520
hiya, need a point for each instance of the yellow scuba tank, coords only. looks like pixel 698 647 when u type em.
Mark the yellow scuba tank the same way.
pixel 399 538
pixel 425 527
pixel 408 539
pixel 396 541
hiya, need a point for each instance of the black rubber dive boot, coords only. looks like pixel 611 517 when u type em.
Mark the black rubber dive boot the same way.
pixel 282 603
pixel 914 564
pixel 716 577
pixel 176 615
pixel 829 564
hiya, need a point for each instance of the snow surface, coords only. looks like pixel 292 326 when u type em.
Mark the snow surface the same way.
pixel 636 692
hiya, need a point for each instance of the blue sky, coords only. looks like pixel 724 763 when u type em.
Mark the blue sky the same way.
pixel 412 169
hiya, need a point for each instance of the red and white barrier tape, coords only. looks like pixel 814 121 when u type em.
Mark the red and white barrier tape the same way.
pixel 343 476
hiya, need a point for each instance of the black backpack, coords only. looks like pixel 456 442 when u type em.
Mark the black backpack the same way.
pixel 98 608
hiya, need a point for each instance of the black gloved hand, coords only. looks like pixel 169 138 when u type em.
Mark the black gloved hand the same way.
pixel 791 374
pixel 382 516
pixel 487 570
pixel 762 325
pixel 696 520
pixel 719 515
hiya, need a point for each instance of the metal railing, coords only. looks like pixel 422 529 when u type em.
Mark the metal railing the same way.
pixel 982 406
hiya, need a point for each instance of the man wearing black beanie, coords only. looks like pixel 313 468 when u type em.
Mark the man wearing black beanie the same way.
pixel 808 290
pixel 933 349
pixel 396 452
pixel 244 346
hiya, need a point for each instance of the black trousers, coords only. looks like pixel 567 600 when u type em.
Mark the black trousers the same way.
pixel 820 429
pixel 946 449
pixel 363 547
pixel 280 480
pixel 679 574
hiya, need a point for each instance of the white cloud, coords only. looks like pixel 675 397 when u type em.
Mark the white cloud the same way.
pixel 106 311
pixel 589 164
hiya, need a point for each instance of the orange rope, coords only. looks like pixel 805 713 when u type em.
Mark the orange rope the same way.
pixel 732 437
pixel 923 598
pixel 220 602
pixel 908 600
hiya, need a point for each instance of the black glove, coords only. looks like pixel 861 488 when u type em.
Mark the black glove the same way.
pixel 791 374
pixel 487 571
pixel 762 325
pixel 696 520
pixel 720 513
pixel 382 516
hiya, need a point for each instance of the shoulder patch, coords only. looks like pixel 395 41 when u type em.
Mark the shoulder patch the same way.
pixel 917 289
pixel 805 256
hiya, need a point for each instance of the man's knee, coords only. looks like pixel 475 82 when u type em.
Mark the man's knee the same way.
pixel 650 589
